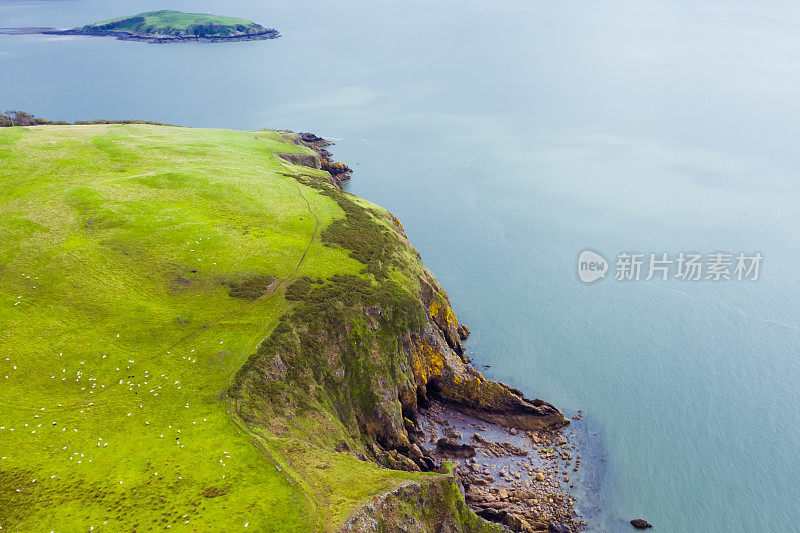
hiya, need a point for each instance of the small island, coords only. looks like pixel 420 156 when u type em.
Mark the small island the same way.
pixel 167 26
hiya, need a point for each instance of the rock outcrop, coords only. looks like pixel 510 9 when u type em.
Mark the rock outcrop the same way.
pixel 442 371
pixel 339 172
pixel 436 505
pixel 371 353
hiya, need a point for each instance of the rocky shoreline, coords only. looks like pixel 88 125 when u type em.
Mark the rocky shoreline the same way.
pixel 122 35
pixel 520 479
pixel 338 171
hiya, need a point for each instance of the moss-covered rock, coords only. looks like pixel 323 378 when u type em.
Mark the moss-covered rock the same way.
pixel 435 505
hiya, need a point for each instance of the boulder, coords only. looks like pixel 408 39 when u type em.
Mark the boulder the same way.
pixel 310 138
pixel 451 447
pixel 514 522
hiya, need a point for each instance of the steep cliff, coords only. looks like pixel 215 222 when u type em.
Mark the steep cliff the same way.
pixel 369 351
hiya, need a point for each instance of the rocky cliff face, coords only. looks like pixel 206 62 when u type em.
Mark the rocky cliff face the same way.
pixel 337 171
pixel 368 353
pixel 442 370
pixel 372 351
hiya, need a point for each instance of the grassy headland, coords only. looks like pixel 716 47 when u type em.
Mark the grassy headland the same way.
pixel 198 333
pixel 142 267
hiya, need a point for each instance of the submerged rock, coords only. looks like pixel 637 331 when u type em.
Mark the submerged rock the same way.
pixel 640 523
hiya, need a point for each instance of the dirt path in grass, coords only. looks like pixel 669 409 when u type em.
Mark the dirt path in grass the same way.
pixel 275 285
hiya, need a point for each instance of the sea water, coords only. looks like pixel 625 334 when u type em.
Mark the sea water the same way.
pixel 510 136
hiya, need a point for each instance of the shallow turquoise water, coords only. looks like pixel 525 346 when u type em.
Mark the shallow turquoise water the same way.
pixel 509 136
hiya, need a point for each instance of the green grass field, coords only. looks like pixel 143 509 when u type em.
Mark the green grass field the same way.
pixel 119 245
pixel 166 21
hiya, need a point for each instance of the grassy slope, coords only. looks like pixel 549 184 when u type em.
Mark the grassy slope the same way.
pixel 117 334
pixel 166 20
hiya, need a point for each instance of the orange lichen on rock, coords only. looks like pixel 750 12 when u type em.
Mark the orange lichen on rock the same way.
pixel 334 167
pixel 479 393
pixel 443 314
pixel 498 403
pixel 438 369
pixel 398 224
pixel 427 361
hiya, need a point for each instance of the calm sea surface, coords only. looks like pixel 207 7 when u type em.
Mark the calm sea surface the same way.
pixel 509 136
